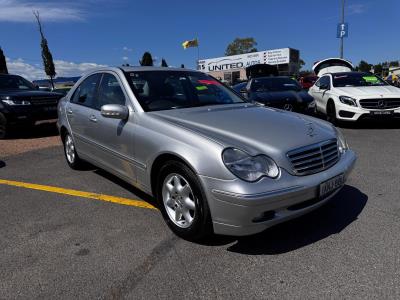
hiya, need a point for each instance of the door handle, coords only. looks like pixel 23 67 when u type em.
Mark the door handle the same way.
pixel 93 119
pixel 69 111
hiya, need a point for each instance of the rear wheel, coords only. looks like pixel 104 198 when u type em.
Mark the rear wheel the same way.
pixel 182 202
pixel 4 130
pixel 71 155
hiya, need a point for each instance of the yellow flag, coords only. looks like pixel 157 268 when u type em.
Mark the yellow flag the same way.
pixel 192 43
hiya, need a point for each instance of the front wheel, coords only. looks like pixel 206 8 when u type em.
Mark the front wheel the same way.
pixel 331 114
pixel 182 202
pixel 71 155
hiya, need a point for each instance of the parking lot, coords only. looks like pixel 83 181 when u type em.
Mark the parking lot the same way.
pixel 87 234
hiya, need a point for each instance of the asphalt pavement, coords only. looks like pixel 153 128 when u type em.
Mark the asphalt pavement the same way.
pixel 56 246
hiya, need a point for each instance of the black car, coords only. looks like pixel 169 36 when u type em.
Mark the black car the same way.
pixel 22 104
pixel 277 91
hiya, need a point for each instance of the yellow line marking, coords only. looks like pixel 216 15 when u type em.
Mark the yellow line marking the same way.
pixel 58 190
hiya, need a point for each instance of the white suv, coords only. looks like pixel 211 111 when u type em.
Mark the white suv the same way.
pixel 344 95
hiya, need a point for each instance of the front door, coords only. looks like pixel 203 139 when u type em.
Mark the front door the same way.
pixel 114 137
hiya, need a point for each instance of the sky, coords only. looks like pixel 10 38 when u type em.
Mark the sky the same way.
pixel 92 33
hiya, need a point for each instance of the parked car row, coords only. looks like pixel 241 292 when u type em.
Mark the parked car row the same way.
pixel 215 161
pixel 337 92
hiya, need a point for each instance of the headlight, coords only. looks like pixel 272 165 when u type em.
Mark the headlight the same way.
pixel 16 102
pixel 249 168
pixel 342 143
pixel 348 100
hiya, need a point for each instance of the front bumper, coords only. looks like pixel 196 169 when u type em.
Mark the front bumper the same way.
pixel 29 113
pixel 235 204
pixel 352 113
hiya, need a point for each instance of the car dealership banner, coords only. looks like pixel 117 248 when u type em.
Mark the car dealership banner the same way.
pixel 271 57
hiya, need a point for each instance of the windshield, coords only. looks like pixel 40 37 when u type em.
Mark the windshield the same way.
pixel 163 90
pixel 356 79
pixel 275 84
pixel 8 82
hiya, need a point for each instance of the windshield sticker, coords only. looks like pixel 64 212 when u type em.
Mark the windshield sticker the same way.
pixel 201 88
pixel 371 79
pixel 214 82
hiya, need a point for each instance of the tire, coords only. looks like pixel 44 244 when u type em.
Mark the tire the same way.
pixel 70 153
pixel 182 202
pixel 4 130
pixel 331 113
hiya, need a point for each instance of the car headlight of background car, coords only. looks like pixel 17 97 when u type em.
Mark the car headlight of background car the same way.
pixel 348 100
pixel 247 167
pixel 342 143
pixel 9 101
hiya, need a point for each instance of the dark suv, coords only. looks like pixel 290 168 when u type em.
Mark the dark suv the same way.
pixel 22 104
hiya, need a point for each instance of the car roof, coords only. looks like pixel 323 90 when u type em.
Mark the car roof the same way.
pixel 271 77
pixel 140 68
pixel 347 73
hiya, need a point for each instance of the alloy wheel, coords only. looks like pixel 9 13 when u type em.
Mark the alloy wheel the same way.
pixel 69 149
pixel 179 201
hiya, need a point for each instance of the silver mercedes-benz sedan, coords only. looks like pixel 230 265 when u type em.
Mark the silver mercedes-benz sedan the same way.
pixel 214 162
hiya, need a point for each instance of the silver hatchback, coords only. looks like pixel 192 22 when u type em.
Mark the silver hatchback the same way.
pixel 214 162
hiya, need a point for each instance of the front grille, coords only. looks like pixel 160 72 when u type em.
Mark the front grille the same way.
pixel 314 158
pixel 382 103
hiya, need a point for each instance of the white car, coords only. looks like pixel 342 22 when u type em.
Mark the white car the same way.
pixel 345 95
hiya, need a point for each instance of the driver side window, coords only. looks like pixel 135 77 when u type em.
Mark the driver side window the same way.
pixel 325 82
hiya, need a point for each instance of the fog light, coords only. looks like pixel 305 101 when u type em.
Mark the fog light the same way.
pixel 265 216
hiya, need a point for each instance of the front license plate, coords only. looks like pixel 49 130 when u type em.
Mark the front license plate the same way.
pixel 330 185
pixel 382 112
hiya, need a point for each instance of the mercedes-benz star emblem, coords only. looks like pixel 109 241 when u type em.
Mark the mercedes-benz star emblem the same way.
pixel 381 104
pixel 288 107
pixel 310 130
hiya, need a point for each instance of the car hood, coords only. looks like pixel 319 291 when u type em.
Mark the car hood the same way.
pixel 252 128
pixel 28 94
pixel 283 96
pixel 369 91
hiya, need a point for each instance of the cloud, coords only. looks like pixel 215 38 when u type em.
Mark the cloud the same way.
pixel 35 71
pixel 127 49
pixel 357 9
pixel 21 11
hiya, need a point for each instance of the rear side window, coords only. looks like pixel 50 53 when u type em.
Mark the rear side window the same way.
pixel 110 91
pixel 85 94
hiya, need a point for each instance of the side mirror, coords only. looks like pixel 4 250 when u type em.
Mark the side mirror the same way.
pixel 115 111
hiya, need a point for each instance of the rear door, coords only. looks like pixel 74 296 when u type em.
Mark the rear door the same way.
pixel 79 109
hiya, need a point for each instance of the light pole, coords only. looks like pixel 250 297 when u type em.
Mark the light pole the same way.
pixel 341 38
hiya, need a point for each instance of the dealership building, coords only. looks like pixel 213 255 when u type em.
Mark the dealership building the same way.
pixel 233 68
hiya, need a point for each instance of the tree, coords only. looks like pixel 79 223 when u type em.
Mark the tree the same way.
pixel 3 63
pixel 378 69
pixel 363 66
pixel 47 58
pixel 241 46
pixel 164 63
pixel 147 59
pixel 301 63
pixel 182 66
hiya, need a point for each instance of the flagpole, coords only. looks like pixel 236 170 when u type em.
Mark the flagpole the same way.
pixel 198 54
